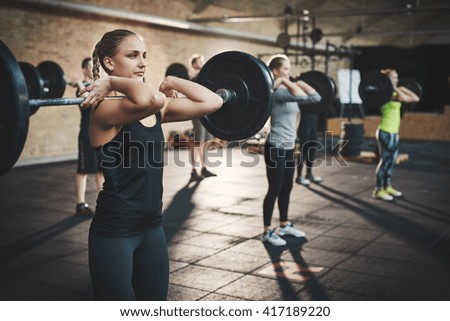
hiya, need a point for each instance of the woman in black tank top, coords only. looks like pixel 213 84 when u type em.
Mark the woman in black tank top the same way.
pixel 127 246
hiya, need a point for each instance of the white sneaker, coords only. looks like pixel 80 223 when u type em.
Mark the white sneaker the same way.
pixel 290 230
pixel 271 237
pixel 314 179
pixel 302 181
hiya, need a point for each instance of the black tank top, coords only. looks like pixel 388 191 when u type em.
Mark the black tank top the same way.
pixel 131 199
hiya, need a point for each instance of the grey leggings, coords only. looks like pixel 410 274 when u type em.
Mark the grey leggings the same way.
pixel 121 265
pixel 388 148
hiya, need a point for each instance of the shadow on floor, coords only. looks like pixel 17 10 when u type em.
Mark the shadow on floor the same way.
pixel 179 210
pixel 408 230
pixel 26 244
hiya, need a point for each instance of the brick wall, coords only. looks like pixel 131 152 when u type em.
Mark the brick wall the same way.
pixel 420 126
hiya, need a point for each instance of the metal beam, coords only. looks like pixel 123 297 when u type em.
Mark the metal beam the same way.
pixel 324 14
pixel 388 33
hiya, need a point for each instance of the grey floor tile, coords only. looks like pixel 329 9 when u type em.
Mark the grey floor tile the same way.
pixel 258 288
pixel 181 293
pixel 355 282
pixel 203 278
pixel 189 253
pixel 234 261
pixel 343 245
pixel 374 265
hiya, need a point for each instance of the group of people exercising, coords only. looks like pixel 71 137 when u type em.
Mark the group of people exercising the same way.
pixel 127 247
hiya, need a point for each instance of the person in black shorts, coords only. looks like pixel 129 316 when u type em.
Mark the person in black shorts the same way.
pixel 201 136
pixel 127 246
pixel 87 159
pixel 307 136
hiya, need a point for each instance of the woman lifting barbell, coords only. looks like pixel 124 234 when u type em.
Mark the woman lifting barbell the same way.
pixel 279 147
pixel 388 138
pixel 127 245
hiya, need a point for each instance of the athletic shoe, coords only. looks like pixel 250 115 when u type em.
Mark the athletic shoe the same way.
pixel 83 209
pixel 314 179
pixel 382 195
pixel 392 191
pixel 290 230
pixel 206 173
pixel 271 237
pixel 302 181
pixel 195 177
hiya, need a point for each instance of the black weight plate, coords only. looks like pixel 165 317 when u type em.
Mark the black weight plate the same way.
pixel 264 65
pixel 323 85
pixel 34 81
pixel 412 85
pixel 14 112
pixel 316 35
pixel 283 40
pixel 415 87
pixel 333 83
pixel 54 81
pixel 252 83
pixel 375 89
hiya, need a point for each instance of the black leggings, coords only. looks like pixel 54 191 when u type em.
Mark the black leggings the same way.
pixel 280 168
pixel 307 134
pixel 119 265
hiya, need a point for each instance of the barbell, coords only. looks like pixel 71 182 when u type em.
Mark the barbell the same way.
pixel 324 85
pixel 376 89
pixel 243 81
pixel 44 81
pixel 251 83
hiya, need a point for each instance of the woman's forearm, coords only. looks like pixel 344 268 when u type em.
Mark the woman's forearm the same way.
pixel 190 89
pixel 141 95
pixel 405 95
pixel 306 88
pixel 293 88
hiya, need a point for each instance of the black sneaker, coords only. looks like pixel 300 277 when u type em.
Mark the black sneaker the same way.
pixel 207 173
pixel 84 210
pixel 195 176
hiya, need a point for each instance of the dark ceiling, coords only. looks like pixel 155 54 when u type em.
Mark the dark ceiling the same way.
pixel 349 22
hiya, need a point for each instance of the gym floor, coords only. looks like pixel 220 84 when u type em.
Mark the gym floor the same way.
pixel 357 248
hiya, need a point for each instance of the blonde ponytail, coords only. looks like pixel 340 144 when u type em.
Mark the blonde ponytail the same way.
pixel 95 64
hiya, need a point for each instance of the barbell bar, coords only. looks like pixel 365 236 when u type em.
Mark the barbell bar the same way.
pixel 227 96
